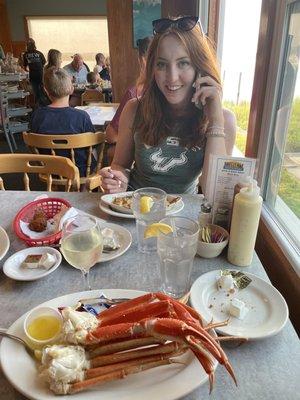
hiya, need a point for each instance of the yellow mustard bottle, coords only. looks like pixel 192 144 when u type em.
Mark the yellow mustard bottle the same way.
pixel 244 225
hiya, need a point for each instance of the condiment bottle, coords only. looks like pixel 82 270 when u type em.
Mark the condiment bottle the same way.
pixel 244 225
pixel 205 214
pixel 243 182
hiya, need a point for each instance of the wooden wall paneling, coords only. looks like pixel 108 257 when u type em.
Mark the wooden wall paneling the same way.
pixel 266 31
pixel 174 8
pixel 213 21
pixel 18 47
pixel 123 56
pixel 5 37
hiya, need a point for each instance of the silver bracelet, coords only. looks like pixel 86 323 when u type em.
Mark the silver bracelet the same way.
pixel 214 127
pixel 215 133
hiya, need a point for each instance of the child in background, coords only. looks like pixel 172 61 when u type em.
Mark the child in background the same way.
pixel 94 80
pixel 58 117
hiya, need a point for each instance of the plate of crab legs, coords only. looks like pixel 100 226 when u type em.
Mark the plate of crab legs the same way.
pixel 151 317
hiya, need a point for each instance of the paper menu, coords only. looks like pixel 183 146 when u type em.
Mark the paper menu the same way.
pixel 225 173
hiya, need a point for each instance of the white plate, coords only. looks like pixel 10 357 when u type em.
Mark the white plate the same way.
pixel 268 311
pixel 163 383
pixel 4 243
pixel 12 266
pixel 124 239
pixel 119 211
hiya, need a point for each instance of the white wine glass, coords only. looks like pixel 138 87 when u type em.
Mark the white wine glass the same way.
pixel 82 244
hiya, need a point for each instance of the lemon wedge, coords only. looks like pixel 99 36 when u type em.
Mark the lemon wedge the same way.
pixel 146 202
pixel 154 229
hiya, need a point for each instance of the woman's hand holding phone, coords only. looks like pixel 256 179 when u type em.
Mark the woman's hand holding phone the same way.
pixel 208 94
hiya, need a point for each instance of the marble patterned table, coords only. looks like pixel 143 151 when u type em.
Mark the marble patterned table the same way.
pixel 265 369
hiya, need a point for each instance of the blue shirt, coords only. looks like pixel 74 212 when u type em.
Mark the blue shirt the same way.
pixel 64 121
pixel 80 76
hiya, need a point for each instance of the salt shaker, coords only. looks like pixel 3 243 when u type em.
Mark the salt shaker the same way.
pixel 205 215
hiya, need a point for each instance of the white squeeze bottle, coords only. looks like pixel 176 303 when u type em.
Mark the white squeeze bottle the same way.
pixel 244 225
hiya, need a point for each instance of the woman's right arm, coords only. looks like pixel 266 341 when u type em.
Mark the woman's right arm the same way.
pixel 115 177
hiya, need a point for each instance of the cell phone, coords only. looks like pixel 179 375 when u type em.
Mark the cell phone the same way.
pixel 198 104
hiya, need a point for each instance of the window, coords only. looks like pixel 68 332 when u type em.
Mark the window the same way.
pixel 70 35
pixel 238 36
pixel 282 176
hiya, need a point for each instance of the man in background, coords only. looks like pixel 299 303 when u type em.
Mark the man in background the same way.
pixel 34 61
pixel 77 69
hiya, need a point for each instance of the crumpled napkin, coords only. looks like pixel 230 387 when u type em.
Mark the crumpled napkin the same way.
pixel 72 212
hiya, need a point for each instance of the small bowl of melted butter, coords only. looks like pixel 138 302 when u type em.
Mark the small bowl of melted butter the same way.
pixel 42 326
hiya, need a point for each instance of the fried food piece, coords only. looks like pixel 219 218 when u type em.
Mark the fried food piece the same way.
pixel 39 221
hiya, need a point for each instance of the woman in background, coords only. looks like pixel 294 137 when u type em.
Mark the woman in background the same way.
pixel 54 59
pixel 100 63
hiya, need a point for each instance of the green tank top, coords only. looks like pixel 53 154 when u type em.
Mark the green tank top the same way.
pixel 168 166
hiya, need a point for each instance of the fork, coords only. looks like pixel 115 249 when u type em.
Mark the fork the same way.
pixel 29 350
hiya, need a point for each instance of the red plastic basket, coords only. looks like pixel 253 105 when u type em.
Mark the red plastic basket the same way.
pixel 51 206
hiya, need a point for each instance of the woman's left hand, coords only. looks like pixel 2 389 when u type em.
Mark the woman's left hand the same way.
pixel 209 94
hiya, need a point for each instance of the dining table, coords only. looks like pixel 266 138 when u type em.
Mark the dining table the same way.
pixel 265 369
pixel 100 115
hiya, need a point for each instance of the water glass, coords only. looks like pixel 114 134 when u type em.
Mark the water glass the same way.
pixel 176 252
pixel 155 214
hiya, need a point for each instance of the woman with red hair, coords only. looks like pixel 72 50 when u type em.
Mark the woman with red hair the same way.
pixel 167 135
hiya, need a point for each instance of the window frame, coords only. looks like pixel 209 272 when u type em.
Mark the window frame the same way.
pixel 264 137
pixel 273 23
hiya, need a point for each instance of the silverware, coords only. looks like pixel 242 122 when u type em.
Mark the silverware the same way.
pixel 29 350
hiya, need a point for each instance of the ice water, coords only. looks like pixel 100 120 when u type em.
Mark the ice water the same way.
pixel 156 213
pixel 176 261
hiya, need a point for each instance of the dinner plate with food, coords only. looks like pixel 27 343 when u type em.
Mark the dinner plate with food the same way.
pixel 253 307
pixel 4 242
pixel 157 360
pixel 32 263
pixel 119 205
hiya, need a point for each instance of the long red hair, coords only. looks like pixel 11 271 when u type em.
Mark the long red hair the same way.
pixel 150 121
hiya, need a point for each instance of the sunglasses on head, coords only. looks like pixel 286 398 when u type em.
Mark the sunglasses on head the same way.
pixel 183 24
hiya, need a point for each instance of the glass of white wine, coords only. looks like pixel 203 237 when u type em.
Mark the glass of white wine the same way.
pixel 82 244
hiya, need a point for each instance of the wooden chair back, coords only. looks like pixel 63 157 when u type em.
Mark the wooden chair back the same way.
pixel 92 95
pixel 87 141
pixel 39 164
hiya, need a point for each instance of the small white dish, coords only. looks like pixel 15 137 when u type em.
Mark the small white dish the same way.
pixel 13 269
pixel 42 312
pixel 4 242
pixel 106 204
pixel 123 236
pixel 211 250
pixel 268 311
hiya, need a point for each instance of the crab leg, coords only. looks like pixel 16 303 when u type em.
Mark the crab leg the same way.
pixel 92 372
pixel 129 355
pixel 122 346
pixel 119 374
pixel 138 313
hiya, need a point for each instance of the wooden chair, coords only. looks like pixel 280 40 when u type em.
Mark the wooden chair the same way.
pixel 36 141
pixel 39 164
pixel 92 95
